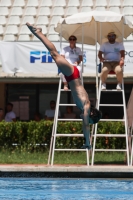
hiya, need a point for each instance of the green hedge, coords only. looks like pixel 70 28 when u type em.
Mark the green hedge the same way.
pixel 35 136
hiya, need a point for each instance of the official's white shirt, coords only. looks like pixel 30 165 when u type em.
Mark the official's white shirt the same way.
pixel 50 113
pixel 9 116
pixel 71 55
pixel 112 51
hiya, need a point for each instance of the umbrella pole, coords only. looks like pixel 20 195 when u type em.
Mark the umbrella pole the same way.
pixel 123 30
pixel 61 37
pixel 96 65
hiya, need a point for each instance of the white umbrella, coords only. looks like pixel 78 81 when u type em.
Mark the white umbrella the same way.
pixel 92 27
pixel 90 24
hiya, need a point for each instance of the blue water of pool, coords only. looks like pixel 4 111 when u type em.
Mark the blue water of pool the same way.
pixel 65 189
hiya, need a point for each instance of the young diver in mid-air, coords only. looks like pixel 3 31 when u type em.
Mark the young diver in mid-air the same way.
pixel 89 115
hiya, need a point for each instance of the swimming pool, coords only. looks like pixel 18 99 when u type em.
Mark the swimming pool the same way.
pixel 65 189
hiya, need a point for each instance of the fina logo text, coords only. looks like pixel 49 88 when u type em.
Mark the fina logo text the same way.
pixel 45 57
pixel 42 56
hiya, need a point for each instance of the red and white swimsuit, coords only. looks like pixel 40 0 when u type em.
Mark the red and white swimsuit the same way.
pixel 73 76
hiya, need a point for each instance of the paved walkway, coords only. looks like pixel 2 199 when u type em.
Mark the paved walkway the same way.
pixel 66 171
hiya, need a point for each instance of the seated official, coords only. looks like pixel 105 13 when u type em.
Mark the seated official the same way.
pixel 10 115
pixel 112 55
pixel 1 114
pixel 49 114
pixel 73 55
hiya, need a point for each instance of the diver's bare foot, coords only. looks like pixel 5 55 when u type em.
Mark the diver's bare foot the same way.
pixel 35 30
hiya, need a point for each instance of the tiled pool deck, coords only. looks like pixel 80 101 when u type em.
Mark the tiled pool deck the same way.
pixel 66 171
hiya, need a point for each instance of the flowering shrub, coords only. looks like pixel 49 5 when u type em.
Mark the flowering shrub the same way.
pixel 36 136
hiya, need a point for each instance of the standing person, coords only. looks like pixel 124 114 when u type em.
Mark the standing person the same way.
pixel 49 114
pixel 1 114
pixel 80 96
pixel 73 55
pixel 10 115
pixel 112 55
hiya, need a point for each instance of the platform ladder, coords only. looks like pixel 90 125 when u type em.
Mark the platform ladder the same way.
pixel 54 130
pixel 131 132
pixel 124 120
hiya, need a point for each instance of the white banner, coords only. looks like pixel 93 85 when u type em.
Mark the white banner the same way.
pixel 33 57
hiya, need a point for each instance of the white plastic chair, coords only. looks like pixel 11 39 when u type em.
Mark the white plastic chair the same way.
pixel 52 31
pixel 35 39
pixel 9 38
pixel 58 11
pixel 6 3
pixel 127 11
pixel 4 11
pixel 11 30
pixel 130 18
pixel 115 9
pixel 24 38
pixel 86 9
pixel 24 31
pixel 18 3
pixel 100 8
pixel 42 20
pixel 30 19
pixel 71 11
pixel 32 3
pixel 31 11
pixel 53 37
pixel 2 20
pixel 88 3
pixel 46 3
pixel 127 3
pixel 17 11
pixel 44 11
pixel 74 3
pixel 1 30
pixel 114 3
pixel 14 20
pixel 44 29
pixel 101 3
pixel 59 3
pixel 55 20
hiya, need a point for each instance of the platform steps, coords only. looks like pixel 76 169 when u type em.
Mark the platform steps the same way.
pixel 95 135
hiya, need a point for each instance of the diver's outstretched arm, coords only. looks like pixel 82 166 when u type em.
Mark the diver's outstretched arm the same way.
pixel 86 133
pixel 86 129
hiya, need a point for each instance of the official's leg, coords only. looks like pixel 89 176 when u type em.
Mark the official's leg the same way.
pixel 105 70
pixel 119 72
pixel 64 66
pixel 64 81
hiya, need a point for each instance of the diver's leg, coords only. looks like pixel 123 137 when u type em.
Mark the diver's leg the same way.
pixel 65 67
